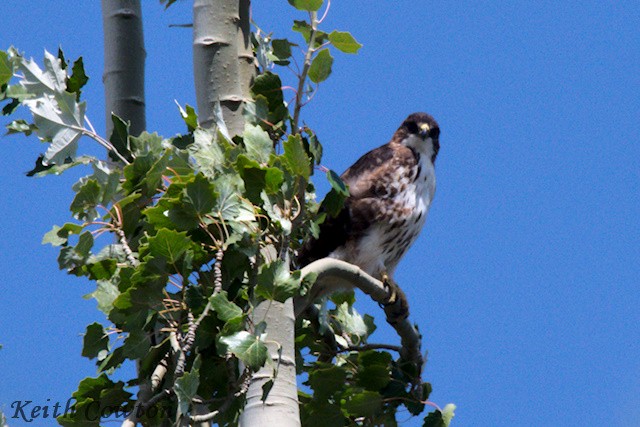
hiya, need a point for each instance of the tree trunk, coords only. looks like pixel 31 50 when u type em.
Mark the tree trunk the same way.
pixel 222 60
pixel 223 70
pixel 281 407
pixel 124 57
pixel 123 79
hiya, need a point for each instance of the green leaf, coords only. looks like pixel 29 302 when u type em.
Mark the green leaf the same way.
pixel 169 244
pixel 258 178
pixel 59 118
pixel 95 341
pixel 320 68
pixel 92 397
pixel 41 169
pixel 207 153
pixel 303 28
pixel 11 106
pixel 343 296
pixel 439 418
pixel 313 145
pixel 229 206
pixel 362 404
pixel 78 79
pixel 273 179
pixel 333 202
pixel 319 37
pixel 186 389
pixel 266 389
pixel 272 205
pixel 281 51
pixel 145 143
pixel 73 258
pixel 245 346
pixel 434 419
pixel 6 69
pixel 337 183
pixel 351 321
pixel 87 198
pixel 145 173
pixel 101 270
pixel 201 194
pixel 375 371
pixel 344 41
pixel 54 238
pixel 296 156
pixel 111 360
pixel 448 413
pixel 269 85
pixel 225 309
pixel 310 5
pixel 136 345
pixel 256 111
pixel 120 139
pixel 258 144
pixel 327 380
pixel 60 235
pixel 322 414
pixel 189 116
pixel 106 292
pixel 275 282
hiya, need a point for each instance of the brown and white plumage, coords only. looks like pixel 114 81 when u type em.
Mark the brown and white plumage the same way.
pixel 391 189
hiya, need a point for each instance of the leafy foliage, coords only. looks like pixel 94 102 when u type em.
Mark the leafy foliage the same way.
pixel 191 219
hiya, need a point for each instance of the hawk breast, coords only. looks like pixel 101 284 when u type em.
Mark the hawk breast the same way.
pixel 387 217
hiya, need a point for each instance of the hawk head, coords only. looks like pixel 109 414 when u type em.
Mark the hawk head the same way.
pixel 420 132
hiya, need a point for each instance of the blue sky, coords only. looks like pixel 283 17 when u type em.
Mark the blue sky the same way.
pixel 526 279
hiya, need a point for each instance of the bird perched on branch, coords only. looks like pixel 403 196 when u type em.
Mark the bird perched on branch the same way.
pixel 390 191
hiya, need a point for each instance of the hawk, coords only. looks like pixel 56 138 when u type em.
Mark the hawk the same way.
pixel 390 191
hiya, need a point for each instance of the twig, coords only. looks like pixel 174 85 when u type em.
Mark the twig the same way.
pixel 217 272
pixel 100 140
pixel 185 346
pixel 243 386
pixel 326 11
pixel 365 347
pixel 303 75
pixel 125 247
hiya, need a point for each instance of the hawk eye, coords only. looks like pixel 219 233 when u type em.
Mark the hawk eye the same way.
pixel 411 126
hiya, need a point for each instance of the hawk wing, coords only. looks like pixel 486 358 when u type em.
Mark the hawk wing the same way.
pixel 369 182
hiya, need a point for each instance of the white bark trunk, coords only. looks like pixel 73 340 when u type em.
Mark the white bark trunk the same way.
pixel 222 60
pixel 281 406
pixel 223 70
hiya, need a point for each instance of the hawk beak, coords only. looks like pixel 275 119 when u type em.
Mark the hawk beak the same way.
pixel 424 130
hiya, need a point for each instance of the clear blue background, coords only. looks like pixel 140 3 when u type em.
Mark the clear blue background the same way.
pixel 526 279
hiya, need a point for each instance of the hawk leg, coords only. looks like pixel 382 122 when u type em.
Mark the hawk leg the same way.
pixel 396 306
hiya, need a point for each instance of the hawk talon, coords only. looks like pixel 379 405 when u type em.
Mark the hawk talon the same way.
pixel 395 304
pixel 391 288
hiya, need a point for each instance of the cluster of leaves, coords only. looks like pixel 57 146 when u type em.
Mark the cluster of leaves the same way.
pixel 350 381
pixel 184 236
pixel 192 218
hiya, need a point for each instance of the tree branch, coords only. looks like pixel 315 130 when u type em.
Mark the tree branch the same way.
pixel 333 274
